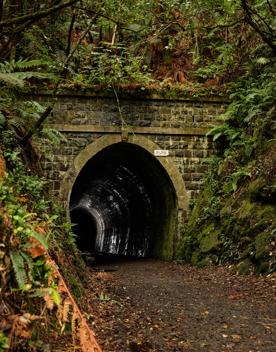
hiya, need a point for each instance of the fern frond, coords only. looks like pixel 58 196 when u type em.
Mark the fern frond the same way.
pixel 14 73
pixel 66 308
pixel 16 123
pixel 74 320
pixel 29 64
pixel 30 264
pixel 53 135
pixel 12 79
pixel 40 238
pixel 12 66
pixel 19 269
pixel 18 78
pixel 31 74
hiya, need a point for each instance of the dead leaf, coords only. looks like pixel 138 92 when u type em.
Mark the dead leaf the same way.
pixel 103 276
pixel 49 302
pixel 236 338
pixel 37 249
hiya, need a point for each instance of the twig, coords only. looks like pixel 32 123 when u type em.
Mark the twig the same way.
pixel 69 39
pixel 123 122
pixel 114 34
pixel 96 13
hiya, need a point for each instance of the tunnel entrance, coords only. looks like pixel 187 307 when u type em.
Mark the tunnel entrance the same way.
pixel 124 203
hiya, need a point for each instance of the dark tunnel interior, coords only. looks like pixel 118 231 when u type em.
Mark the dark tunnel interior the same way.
pixel 123 203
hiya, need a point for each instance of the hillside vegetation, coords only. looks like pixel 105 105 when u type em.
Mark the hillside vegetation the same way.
pixel 233 220
pixel 201 47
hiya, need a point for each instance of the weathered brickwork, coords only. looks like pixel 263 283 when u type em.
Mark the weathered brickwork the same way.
pixel 175 125
pixel 143 113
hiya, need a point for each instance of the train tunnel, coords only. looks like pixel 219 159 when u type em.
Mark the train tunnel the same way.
pixel 123 203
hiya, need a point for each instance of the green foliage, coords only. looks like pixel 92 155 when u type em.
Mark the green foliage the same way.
pixel 24 183
pixel 16 192
pixel 17 116
pixel 14 73
pixel 236 204
pixel 19 269
pixel 3 342
pixel 226 131
pixel 236 178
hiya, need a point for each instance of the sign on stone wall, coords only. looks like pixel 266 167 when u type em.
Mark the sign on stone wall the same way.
pixel 161 152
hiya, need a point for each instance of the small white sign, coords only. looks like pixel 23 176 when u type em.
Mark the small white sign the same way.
pixel 161 152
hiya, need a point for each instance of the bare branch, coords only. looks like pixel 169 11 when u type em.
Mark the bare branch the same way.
pixel 37 15
pixel 268 39
pixel 69 39
pixel 270 8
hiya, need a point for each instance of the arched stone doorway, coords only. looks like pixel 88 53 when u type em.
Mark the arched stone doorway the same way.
pixel 124 200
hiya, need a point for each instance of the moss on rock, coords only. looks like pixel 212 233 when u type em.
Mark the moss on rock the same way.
pixel 237 227
pixel 209 239
pixel 245 267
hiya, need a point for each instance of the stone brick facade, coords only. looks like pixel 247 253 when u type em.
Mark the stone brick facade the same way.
pixel 177 125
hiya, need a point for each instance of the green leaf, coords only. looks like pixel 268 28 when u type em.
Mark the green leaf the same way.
pixel 18 267
pixel 40 238
pixel 217 135
pixel 55 296
pixel 262 61
pixel 135 27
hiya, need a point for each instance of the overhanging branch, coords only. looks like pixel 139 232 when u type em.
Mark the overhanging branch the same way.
pixel 37 15
pixel 264 35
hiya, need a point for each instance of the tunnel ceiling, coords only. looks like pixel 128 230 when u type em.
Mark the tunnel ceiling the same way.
pixel 123 202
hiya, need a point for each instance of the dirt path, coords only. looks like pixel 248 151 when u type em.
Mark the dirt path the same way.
pixel 148 305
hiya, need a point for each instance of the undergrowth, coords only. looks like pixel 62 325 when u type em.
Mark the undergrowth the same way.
pixel 233 220
pixel 33 239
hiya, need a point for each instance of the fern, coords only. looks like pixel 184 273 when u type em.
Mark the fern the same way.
pixel 40 238
pixel 19 269
pixel 18 78
pixel 12 79
pixel 53 135
pixel 224 130
pixel 237 176
pixel 29 261
pixel 14 73
pixel 20 65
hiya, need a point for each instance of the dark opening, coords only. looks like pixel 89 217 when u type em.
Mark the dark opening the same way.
pixel 123 203
pixel 84 223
